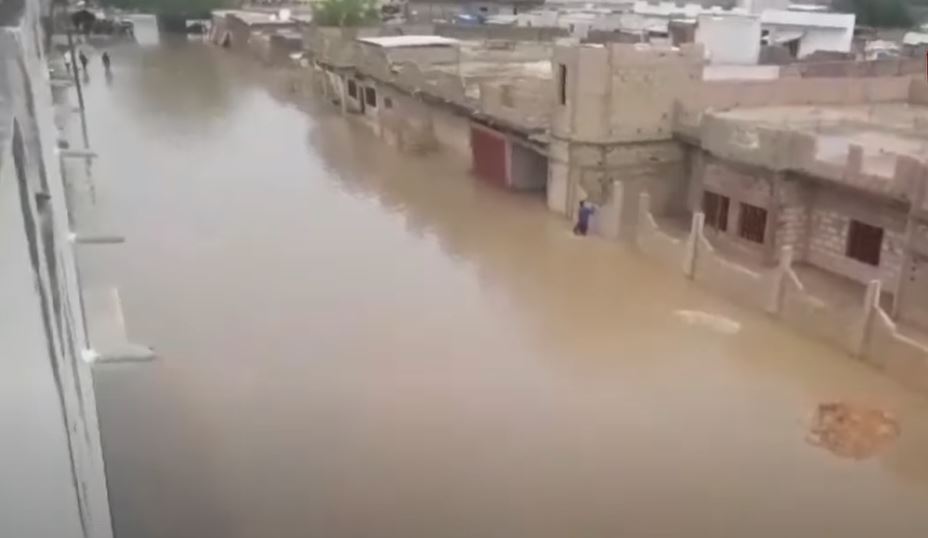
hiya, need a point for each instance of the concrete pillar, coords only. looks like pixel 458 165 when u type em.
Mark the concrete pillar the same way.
pixel 861 334
pixel 899 289
pixel 325 83
pixel 608 220
pixel 778 287
pixel 343 93
pixel 692 245
pixel 628 210
pixel 773 216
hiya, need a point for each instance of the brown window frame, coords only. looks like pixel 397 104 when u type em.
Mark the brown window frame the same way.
pixel 716 207
pixel 752 223
pixel 864 242
pixel 562 83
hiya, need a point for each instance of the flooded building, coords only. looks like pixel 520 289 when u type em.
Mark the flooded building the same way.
pixel 612 134
pixel 817 168
pixel 270 37
pixel 834 168
pixel 486 100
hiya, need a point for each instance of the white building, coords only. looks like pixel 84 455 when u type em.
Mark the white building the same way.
pixel 814 31
pixel 732 39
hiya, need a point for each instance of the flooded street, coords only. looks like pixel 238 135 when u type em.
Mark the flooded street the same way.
pixel 359 343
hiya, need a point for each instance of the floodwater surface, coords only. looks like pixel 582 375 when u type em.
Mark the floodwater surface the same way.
pixel 359 343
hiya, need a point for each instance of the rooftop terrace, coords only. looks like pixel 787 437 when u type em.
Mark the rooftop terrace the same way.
pixel 881 148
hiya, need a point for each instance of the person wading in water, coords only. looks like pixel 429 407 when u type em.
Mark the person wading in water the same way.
pixel 583 218
pixel 106 61
pixel 83 58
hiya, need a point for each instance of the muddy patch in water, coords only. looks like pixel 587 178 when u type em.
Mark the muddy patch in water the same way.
pixel 851 431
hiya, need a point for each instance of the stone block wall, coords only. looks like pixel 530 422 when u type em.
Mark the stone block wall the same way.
pixel 792 222
pixel 912 306
pixel 557 190
pixel 619 92
pixel 740 184
pixel 830 219
pixel 407 123
pixel 525 102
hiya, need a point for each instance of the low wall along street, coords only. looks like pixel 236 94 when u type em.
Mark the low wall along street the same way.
pixel 865 331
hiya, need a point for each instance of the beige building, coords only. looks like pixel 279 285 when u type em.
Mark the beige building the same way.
pixel 828 159
pixel 612 131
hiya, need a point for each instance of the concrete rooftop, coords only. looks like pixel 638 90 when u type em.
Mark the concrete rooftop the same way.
pixel 483 60
pixel 880 128
pixel 874 147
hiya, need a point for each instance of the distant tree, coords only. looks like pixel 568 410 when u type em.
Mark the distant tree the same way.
pixel 877 13
pixel 345 12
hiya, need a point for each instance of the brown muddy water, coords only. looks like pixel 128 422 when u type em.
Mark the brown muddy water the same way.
pixel 358 343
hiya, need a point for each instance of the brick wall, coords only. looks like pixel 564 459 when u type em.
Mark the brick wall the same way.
pixel 830 220
pixel 791 226
pixel 742 184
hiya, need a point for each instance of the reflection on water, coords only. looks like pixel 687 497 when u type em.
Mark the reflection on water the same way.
pixel 360 343
pixel 204 93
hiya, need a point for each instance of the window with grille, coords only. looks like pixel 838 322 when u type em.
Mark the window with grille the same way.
pixel 753 223
pixel 352 89
pixel 864 242
pixel 370 97
pixel 715 207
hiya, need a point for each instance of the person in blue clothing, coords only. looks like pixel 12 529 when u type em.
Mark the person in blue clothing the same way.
pixel 583 218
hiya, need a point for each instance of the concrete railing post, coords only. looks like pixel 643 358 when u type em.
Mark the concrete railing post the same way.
pixel 778 286
pixel 692 245
pixel 862 333
pixel 343 95
pixel 644 207
pixel 610 216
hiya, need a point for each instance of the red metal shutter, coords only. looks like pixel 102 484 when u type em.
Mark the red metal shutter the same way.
pixel 489 155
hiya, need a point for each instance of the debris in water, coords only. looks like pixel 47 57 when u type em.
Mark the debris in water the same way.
pixel 716 323
pixel 850 431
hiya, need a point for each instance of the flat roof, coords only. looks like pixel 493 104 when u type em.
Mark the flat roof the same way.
pixel 396 41
pixel 844 21
pixel 882 129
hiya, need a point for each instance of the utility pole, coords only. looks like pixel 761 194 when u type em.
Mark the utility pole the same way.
pixel 77 82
